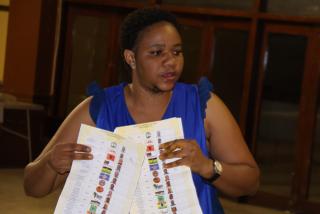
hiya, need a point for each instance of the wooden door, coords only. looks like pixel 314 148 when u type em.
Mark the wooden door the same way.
pixel 284 114
pixel 90 54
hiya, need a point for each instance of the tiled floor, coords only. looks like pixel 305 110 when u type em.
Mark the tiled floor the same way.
pixel 13 200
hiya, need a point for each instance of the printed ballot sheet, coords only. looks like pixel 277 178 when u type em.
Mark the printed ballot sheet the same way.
pixel 161 190
pixel 107 183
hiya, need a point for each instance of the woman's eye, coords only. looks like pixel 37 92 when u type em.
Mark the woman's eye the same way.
pixel 156 53
pixel 177 52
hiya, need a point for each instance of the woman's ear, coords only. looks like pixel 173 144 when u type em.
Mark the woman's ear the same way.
pixel 129 58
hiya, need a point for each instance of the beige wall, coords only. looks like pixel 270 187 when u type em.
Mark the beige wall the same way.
pixel 3 35
pixel 4 2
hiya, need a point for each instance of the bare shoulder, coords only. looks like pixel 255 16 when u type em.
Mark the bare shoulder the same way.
pixel 69 129
pixel 218 116
pixel 225 139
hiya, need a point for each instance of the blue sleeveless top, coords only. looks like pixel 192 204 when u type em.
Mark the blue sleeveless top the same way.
pixel 109 110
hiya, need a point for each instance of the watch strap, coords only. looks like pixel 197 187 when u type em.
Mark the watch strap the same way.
pixel 215 175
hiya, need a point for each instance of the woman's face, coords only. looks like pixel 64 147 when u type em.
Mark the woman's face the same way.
pixel 158 58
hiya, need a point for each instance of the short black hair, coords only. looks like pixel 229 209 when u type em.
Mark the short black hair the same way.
pixel 138 20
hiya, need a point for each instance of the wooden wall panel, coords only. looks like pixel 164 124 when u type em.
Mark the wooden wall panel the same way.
pixel 22 46
pixel 30 44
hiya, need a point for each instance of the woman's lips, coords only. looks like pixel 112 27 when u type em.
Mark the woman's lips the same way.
pixel 169 76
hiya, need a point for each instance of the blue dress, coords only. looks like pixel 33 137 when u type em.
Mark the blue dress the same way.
pixel 109 110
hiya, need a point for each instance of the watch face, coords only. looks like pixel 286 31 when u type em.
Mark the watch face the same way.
pixel 218 167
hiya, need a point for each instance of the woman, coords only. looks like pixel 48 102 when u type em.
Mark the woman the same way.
pixel 214 147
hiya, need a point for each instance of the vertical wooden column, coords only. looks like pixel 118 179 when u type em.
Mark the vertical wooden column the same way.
pixel 250 68
pixel 22 45
pixel 29 54
pixel 44 77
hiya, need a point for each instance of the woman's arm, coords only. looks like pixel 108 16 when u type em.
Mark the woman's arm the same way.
pixel 51 168
pixel 240 175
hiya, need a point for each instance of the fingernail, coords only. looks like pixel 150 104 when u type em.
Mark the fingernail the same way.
pixel 90 156
pixel 88 149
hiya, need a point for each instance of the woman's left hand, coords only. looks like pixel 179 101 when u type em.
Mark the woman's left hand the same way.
pixel 188 153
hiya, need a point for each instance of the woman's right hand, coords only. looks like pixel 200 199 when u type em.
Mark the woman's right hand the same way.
pixel 62 154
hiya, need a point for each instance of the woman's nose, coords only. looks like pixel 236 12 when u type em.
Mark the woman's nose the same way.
pixel 170 58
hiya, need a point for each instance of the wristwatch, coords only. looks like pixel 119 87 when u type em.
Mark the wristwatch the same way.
pixel 217 171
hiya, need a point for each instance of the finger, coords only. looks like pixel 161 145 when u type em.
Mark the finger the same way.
pixel 173 145
pixel 81 148
pixel 80 156
pixel 173 154
pixel 76 147
pixel 166 144
pixel 179 162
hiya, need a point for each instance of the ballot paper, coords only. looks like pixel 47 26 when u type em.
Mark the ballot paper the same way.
pixel 161 190
pixel 107 183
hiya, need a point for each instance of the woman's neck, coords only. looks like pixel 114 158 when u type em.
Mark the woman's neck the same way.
pixel 145 105
pixel 143 96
